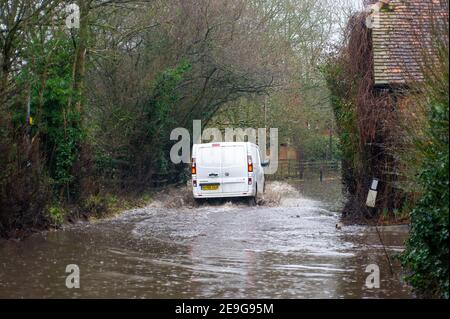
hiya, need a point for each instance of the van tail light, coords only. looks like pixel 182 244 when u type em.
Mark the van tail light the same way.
pixel 250 181
pixel 194 167
pixel 250 164
pixel 194 183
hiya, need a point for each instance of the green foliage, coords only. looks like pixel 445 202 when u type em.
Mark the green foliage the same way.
pixel 55 118
pixel 160 112
pixel 132 141
pixel 104 163
pixel 38 160
pixel 66 141
pixel 426 257
pixel 317 148
pixel 344 108
pixel 57 215
pixel 163 101
pixel 165 94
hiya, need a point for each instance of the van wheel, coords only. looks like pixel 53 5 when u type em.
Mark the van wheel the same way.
pixel 197 202
pixel 252 201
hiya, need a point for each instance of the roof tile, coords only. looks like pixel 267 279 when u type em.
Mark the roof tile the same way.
pixel 402 36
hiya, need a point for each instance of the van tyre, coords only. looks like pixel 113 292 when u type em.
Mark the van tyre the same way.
pixel 197 202
pixel 253 201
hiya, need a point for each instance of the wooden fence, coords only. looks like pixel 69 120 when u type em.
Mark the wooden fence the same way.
pixel 297 169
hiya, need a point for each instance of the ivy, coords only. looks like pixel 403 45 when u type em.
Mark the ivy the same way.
pixel 57 123
pixel 160 110
pixel 426 256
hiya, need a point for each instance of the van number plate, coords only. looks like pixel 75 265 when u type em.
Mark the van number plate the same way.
pixel 210 187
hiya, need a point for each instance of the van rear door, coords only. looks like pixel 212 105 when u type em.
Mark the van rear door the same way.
pixel 209 172
pixel 234 168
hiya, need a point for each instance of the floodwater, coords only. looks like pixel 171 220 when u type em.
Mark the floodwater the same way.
pixel 287 247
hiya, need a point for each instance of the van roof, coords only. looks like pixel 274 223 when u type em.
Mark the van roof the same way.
pixel 226 144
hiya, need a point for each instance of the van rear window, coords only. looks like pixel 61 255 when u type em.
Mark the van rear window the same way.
pixel 233 156
pixel 209 157
pixel 225 156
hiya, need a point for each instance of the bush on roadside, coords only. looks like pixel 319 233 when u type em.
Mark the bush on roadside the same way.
pixel 98 205
pixel 25 190
pixel 426 257
pixel 57 215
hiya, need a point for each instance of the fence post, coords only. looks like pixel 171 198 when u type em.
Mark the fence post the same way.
pixel 289 168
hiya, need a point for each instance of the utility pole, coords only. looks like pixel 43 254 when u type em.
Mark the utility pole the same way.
pixel 265 111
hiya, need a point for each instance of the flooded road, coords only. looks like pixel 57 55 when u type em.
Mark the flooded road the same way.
pixel 287 248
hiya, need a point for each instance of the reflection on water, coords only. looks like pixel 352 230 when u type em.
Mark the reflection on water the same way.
pixel 223 250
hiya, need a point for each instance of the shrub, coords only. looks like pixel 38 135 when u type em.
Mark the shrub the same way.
pixel 98 205
pixel 426 257
pixel 25 188
pixel 56 215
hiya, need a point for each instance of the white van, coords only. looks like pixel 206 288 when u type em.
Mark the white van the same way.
pixel 228 169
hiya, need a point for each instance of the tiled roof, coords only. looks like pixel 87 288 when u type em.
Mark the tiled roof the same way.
pixel 401 35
